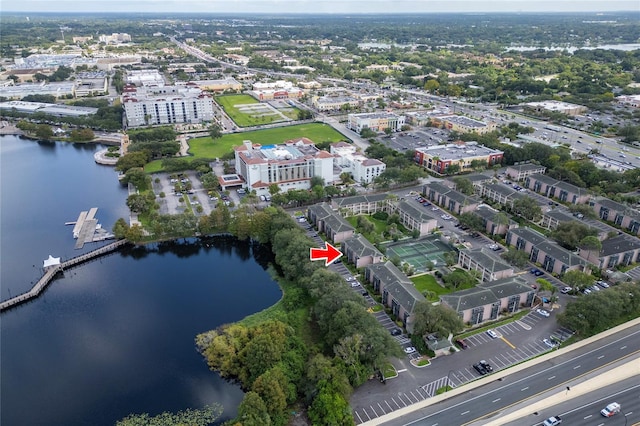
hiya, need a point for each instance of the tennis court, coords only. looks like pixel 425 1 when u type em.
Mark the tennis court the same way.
pixel 419 252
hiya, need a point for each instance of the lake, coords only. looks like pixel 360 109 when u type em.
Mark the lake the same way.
pixel 114 336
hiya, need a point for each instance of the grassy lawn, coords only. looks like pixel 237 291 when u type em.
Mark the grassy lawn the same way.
pixel 389 371
pixel 428 282
pixel 208 148
pixel 245 118
pixel 380 226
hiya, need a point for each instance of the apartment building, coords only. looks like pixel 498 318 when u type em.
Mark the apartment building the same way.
pixel 553 258
pixel 377 121
pixel 619 250
pixel 439 158
pixel 553 188
pixel 290 165
pixel 494 221
pixel 360 252
pixel 398 292
pixel 360 204
pixel 500 193
pixel 623 215
pixel 144 106
pixel 488 300
pixel 522 171
pixel 450 199
pixel 483 260
pixel 413 217
pixel 334 226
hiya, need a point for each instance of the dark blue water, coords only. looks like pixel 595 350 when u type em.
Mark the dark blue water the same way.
pixel 113 336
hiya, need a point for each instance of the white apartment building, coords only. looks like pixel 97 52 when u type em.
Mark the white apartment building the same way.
pixel 290 165
pixel 376 121
pixel 115 38
pixel 145 78
pixel 334 103
pixel 362 169
pixel 144 106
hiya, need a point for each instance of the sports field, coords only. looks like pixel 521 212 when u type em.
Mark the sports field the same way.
pixel 419 252
pixel 218 148
pixel 246 111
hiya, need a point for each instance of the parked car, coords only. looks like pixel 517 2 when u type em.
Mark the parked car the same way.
pixel 492 334
pixel 549 343
pixel 543 312
pixel 462 343
pixel 565 290
pixel 552 421
pixel 488 368
pixel 480 369
pixel 409 350
pixel 395 332
pixel 610 410
pixel 603 284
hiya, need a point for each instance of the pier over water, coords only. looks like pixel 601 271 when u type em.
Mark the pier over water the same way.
pixel 52 271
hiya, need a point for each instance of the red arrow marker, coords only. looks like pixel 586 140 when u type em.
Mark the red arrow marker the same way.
pixel 329 253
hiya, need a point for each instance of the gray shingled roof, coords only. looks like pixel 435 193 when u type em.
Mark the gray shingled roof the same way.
pixel 415 212
pixel 485 293
pixel 571 188
pixel 526 167
pixel 405 294
pixel 487 259
pixel 560 253
pixel 544 179
pixel 507 286
pixel 387 272
pixel 438 187
pixel 360 246
pixel 502 189
pixel 619 244
pixel 321 210
pixel 358 199
pixel 477 177
pixel 337 223
pixel 461 198
pixel 619 207
pixel 529 235
pixel 486 212
pixel 559 215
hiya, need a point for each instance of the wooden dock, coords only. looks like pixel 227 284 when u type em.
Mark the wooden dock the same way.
pixel 51 272
pixel 84 228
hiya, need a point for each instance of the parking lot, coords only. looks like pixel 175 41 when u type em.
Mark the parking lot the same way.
pixel 516 342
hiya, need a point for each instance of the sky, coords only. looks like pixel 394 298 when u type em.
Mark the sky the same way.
pixel 317 6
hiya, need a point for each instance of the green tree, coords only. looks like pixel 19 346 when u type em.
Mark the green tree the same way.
pixel 44 132
pixel 438 319
pixel 330 408
pixel 196 417
pixel 527 208
pixel 431 86
pixel 592 245
pixel 517 258
pixel 215 132
pixel 120 228
pixel 463 185
pixel 132 159
pixel 135 233
pixel 577 279
pixel 253 411
pixel 472 221
pixel 367 133
pixel 570 234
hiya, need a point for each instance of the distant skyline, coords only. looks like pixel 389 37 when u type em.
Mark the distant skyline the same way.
pixel 316 6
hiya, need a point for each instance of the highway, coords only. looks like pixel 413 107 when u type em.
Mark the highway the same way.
pixel 567 369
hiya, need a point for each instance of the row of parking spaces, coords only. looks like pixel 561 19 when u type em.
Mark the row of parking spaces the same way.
pixel 380 408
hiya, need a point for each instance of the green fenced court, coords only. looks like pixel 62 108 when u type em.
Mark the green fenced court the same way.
pixel 419 252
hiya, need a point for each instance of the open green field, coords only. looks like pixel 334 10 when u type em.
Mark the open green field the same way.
pixel 212 149
pixel 246 111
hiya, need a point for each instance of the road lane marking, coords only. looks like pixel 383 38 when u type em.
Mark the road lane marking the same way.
pixel 374 411
pixel 466 412
pixel 359 418
pixel 402 371
pixel 394 401
pixel 365 411
pixel 589 416
pixel 551 378
pixel 624 347
pixel 387 402
pixel 576 367
pixel 507 342
pixel 601 356
pixel 524 389
pixel 496 400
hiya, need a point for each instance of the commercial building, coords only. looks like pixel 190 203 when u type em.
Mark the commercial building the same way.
pixel 632 101
pixel 557 106
pixel 220 85
pixel 440 157
pixel 63 89
pixel 377 121
pixel 334 103
pixel 51 109
pixel 115 38
pixel 272 94
pixel 145 106
pixel 462 124
pixel 290 165
pixel 145 78
pixel 348 160
pixel 487 300
pixel 91 84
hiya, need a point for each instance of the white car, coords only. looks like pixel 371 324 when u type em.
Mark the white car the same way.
pixel 610 409
pixel 543 312
pixel 355 284
pixel 492 334
pixel 409 350
pixel 552 421
pixel 565 290
pixel 349 278
pixel 549 343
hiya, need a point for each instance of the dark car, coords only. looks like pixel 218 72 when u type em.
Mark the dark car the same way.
pixel 462 343
pixel 487 367
pixel 396 332
pixel 480 369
